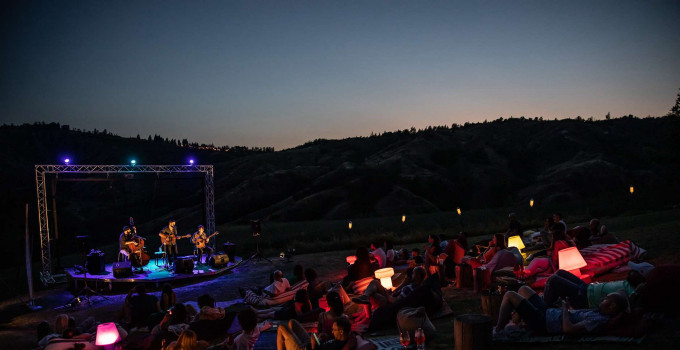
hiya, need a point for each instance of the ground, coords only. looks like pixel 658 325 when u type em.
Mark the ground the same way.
pixel 658 232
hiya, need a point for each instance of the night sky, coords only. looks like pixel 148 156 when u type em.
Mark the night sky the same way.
pixel 280 73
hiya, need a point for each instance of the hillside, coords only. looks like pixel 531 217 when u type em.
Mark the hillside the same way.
pixel 561 164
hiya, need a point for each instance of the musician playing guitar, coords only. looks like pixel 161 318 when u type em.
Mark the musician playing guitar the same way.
pixel 169 239
pixel 200 239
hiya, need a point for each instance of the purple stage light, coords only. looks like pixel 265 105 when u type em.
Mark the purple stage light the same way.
pixel 191 161
pixel 66 161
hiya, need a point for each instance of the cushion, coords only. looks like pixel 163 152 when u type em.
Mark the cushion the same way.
pixel 267 300
pixel 411 318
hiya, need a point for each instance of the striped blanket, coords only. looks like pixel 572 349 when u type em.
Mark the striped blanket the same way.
pixel 602 258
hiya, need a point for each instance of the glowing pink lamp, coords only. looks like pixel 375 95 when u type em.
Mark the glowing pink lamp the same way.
pixel 351 259
pixel 107 335
pixel 571 260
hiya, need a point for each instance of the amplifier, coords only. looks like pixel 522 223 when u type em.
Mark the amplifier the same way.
pixel 95 263
pixel 230 249
pixel 219 260
pixel 122 269
pixel 184 265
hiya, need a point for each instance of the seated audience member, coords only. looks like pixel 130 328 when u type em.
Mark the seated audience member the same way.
pixel 293 337
pixel 379 255
pixel 279 285
pixel 549 263
pixel 176 320
pixel 376 294
pixel 594 227
pixel 558 219
pixel 432 251
pixel 361 268
pixel 497 244
pixel 443 241
pixel 544 320
pixel 207 309
pixel 415 253
pixel 247 318
pixel 292 309
pixel 541 240
pixel 337 310
pixel 141 306
pixel 61 328
pixel 583 295
pixel 390 254
pixel 604 237
pixel 168 297
pixel 187 341
pixel 315 287
pixel 514 227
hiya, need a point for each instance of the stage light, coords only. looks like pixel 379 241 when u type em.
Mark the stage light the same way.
pixel 458 211
pixel 66 161
pixel 191 161
pixel 571 260
pixel 531 202
pixel 133 162
pixel 107 335
pixel 516 241
pixel 385 277
pixel 351 259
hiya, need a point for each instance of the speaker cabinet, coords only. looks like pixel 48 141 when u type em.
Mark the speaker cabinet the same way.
pixel 122 269
pixel 184 265
pixel 219 260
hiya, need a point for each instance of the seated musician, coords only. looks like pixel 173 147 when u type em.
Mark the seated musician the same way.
pixel 200 240
pixel 126 239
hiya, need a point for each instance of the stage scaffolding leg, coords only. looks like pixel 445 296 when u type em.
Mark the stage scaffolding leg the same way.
pixel 210 203
pixel 46 259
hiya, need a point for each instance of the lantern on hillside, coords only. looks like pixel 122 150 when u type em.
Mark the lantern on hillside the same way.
pixel 531 203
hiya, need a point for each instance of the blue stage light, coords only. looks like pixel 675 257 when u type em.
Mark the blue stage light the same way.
pixel 66 161
pixel 133 162
pixel 191 161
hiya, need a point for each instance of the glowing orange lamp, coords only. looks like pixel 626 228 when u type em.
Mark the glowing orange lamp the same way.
pixel 571 260
pixel 107 335
pixel 385 277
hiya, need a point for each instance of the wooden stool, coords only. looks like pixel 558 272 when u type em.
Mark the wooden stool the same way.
pixel 463 276
pixel 472 332
pixel 491 304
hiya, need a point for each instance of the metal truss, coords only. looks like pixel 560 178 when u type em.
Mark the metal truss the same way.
pixel 40 180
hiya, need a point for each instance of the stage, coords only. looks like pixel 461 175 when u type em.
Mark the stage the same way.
pixel 154 272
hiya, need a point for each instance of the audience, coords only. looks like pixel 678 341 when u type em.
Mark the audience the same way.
pixel 545 320
pixel 514 226
pixel 379 255
pixel 141 307
pixel 315 287
pixel 361 268
pixel 187 341
pixel 251 332
pixel 550 263
pixel 293 309
pixel 376 294
pixel 292 336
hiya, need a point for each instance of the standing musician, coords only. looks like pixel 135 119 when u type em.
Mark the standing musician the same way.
pixel 168 238
pixel 200 240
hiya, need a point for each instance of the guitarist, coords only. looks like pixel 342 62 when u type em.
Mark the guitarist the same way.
pixel 200 239
pixel 169 240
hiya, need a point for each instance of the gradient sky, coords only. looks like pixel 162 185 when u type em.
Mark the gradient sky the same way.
pixel 280 73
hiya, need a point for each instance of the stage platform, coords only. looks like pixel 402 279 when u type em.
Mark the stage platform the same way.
pixel 154 272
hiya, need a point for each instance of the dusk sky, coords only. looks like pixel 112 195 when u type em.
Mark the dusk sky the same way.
pixel 280 73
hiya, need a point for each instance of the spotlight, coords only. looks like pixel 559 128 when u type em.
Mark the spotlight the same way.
pixel 191 161
pixel 66 161
pixel 133 162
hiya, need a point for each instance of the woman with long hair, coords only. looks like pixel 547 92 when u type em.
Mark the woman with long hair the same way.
pixel 168 297
pixel 186 341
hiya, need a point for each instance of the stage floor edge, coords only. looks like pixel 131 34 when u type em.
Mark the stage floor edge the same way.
pixel 152 273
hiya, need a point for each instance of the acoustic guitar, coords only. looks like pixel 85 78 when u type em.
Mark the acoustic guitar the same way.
pixel 171 239
pixel 200 242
